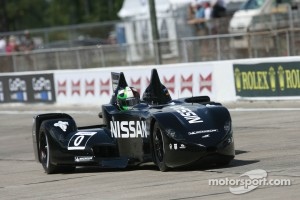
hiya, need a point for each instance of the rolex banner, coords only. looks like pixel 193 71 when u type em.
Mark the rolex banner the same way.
pixel 267 79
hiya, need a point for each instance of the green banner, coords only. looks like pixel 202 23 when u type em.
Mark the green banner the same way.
pixel 267 79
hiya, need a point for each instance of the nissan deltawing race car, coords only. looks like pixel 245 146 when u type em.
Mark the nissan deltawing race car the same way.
pixel 170 133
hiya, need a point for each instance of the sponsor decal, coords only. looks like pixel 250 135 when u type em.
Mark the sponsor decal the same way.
pixel 83 158
pixel 62 87
pixel 105 87
pixel 203 131
pixel 76 87
pixel 252 80
pixel 42 89
pixel 27 88
pixel 177 146
pixel 136 84
pixel 62 125
pixel 187 84
pixel 170 83
pixel 79 140
pixel 187 114
pixel 206 82
pixel 267 79
pixel 128 129
pixel 18 89
pixel 90 87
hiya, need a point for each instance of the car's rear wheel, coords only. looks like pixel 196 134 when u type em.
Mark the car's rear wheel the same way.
pixel 45 158
pixel 159 148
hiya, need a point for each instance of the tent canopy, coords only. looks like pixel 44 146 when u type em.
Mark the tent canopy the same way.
pixel 132 8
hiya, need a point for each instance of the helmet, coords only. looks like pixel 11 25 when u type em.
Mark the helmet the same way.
pixel 127 98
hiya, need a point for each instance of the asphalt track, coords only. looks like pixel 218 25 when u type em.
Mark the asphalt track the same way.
pixel 266 134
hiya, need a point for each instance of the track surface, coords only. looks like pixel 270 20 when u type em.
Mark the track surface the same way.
pixel 267 136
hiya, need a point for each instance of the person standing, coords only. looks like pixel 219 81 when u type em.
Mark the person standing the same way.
pixel 27 43
pixel 12 45
pixel 2 45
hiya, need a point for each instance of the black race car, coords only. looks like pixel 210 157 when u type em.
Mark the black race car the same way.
pixel 170 133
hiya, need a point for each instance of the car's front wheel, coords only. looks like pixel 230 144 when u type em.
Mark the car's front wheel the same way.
pixel 44 152
pixel 45 158
pixel 159 148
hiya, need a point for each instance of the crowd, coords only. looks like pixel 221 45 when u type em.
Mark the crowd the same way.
pixel 201 13
pixel 13 44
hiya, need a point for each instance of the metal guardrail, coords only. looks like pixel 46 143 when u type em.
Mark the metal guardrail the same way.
pixel 283 42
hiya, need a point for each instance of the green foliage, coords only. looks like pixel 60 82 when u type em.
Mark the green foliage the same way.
pixel 30 14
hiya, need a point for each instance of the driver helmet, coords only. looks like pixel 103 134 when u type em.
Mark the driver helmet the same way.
pixel 127 98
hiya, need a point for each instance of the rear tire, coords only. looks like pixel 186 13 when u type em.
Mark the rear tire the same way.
pixel 159 148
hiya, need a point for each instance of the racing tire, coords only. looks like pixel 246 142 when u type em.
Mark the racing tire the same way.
pixel 45 158
pixel 159 148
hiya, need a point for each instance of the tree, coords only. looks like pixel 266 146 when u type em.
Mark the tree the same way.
pixel 23 14
pixel 29 14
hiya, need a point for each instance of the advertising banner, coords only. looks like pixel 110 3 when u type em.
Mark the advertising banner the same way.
pixel 267 79
pixel 94 86
pixel 27 88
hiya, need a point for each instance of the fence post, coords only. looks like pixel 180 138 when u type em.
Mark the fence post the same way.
pixel 184 51
pixel 34 61
pixel 78 59
pixel 218 48
pixel 102 57
pixel 287 42
pixel 130 55
pixel 57 60
pixel 14 62
pixel 249 46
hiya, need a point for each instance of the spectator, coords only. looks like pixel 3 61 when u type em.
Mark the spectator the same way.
pixel 207 17
pixel 202 18
pixel 192 8
pixel 218 9
pixel 199 19
pixel 27 43
pixel 12 45
pixel 2 45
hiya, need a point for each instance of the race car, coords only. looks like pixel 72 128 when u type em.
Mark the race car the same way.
pixel 154 128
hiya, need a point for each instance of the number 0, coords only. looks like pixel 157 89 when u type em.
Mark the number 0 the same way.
pixel 78 140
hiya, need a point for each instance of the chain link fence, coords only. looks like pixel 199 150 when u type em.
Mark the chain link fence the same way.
pixel 191 49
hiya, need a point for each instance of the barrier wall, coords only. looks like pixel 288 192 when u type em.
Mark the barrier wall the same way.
pixel 223 81
pixel 93 86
